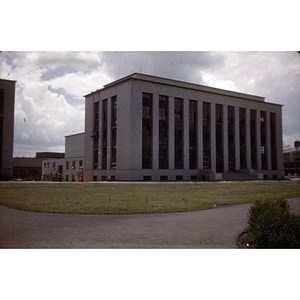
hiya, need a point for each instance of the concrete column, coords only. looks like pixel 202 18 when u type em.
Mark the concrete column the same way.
pixel 268 127
pixel 155 132
pixel 213 137
pixel 171 134
pixel 200 135
pixel 248 139
pixel 225 137
pixel 108 133
pixel 237 137
pixel 186 138
pixel 258 140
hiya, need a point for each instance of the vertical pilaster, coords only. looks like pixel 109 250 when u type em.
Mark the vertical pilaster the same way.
pixel 186 153
pixel 155 133
pixel 237 138
pixel 248 140
pixel 258 140
pixel 213 137
pixel 200 135
pixel 225 137
pixel 171 134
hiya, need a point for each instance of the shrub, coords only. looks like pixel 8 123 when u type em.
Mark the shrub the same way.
pixel 273 225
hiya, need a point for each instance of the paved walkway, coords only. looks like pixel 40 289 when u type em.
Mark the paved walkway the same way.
pixel 216 228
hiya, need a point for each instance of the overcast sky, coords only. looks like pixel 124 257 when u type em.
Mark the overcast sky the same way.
pixel 49 101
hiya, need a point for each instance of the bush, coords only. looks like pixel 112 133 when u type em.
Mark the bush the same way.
pixel 273 225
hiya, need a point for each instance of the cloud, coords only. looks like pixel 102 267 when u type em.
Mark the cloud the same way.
pixel 50 85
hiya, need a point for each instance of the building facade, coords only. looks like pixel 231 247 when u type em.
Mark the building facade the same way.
pixel 147 128
pixel 70 167
pixel 7 104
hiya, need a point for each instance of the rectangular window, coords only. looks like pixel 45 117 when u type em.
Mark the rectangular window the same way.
pixel 53 165
pixel 193 134
pixel 147 131
pixel 231 138
pixel 163 132
pixel 113 163
pixel 67 165
pixel 253 139
pixel 104 134
pixel 95 135
pixel 80 164
pixel 206 135
pixel 263 140
pixel 73 164
pixel 219 138
pixel 178 120
pixel 273 141
pixel 242 127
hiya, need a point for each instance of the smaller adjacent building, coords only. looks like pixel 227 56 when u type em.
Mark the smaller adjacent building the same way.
pixel 30 168
pixel 69 168
pixel 291 158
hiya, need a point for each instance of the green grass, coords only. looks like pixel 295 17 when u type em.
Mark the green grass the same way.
pixel 126 198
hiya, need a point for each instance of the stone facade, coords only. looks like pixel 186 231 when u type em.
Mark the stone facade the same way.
pixel 143 127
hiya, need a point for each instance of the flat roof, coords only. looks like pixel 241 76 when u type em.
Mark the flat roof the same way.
pixel 180 84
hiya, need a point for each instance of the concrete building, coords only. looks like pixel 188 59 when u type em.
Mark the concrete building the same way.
pixel 7 104
pixel 30 168
pixel 69 168
pixel 291 158
pixel 143 127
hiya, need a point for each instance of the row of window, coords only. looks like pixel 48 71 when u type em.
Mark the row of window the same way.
pixel 113 130
pixel 147 133
pixel 73 166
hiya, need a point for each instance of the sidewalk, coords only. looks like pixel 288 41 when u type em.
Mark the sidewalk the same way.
pixel 217 228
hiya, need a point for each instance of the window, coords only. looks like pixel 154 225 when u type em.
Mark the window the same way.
pixel 253 139
pixel 80 164
pixel 113 162
pixel 163 132
pixel 96 135
pixel 273 141
pixel 206 134
pixel 231 137
pixel 179 177
pixel 73 164
pixel 67 165
pixel 163 178
pixel 243 148
pixel 205 162
pixel 104 134
pixel 193 134
pixel 219 138
pixel 147 178
pixel 147 131
pixel 263 140
pixel 178 119
pixel 53 165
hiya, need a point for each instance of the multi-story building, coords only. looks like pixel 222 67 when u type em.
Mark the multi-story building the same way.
pixel 143 127
pixel 70 166
pixel 7 104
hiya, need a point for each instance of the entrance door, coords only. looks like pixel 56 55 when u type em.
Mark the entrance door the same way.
pixel 230 164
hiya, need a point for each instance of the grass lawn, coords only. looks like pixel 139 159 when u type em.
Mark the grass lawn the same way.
pixel 127 198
